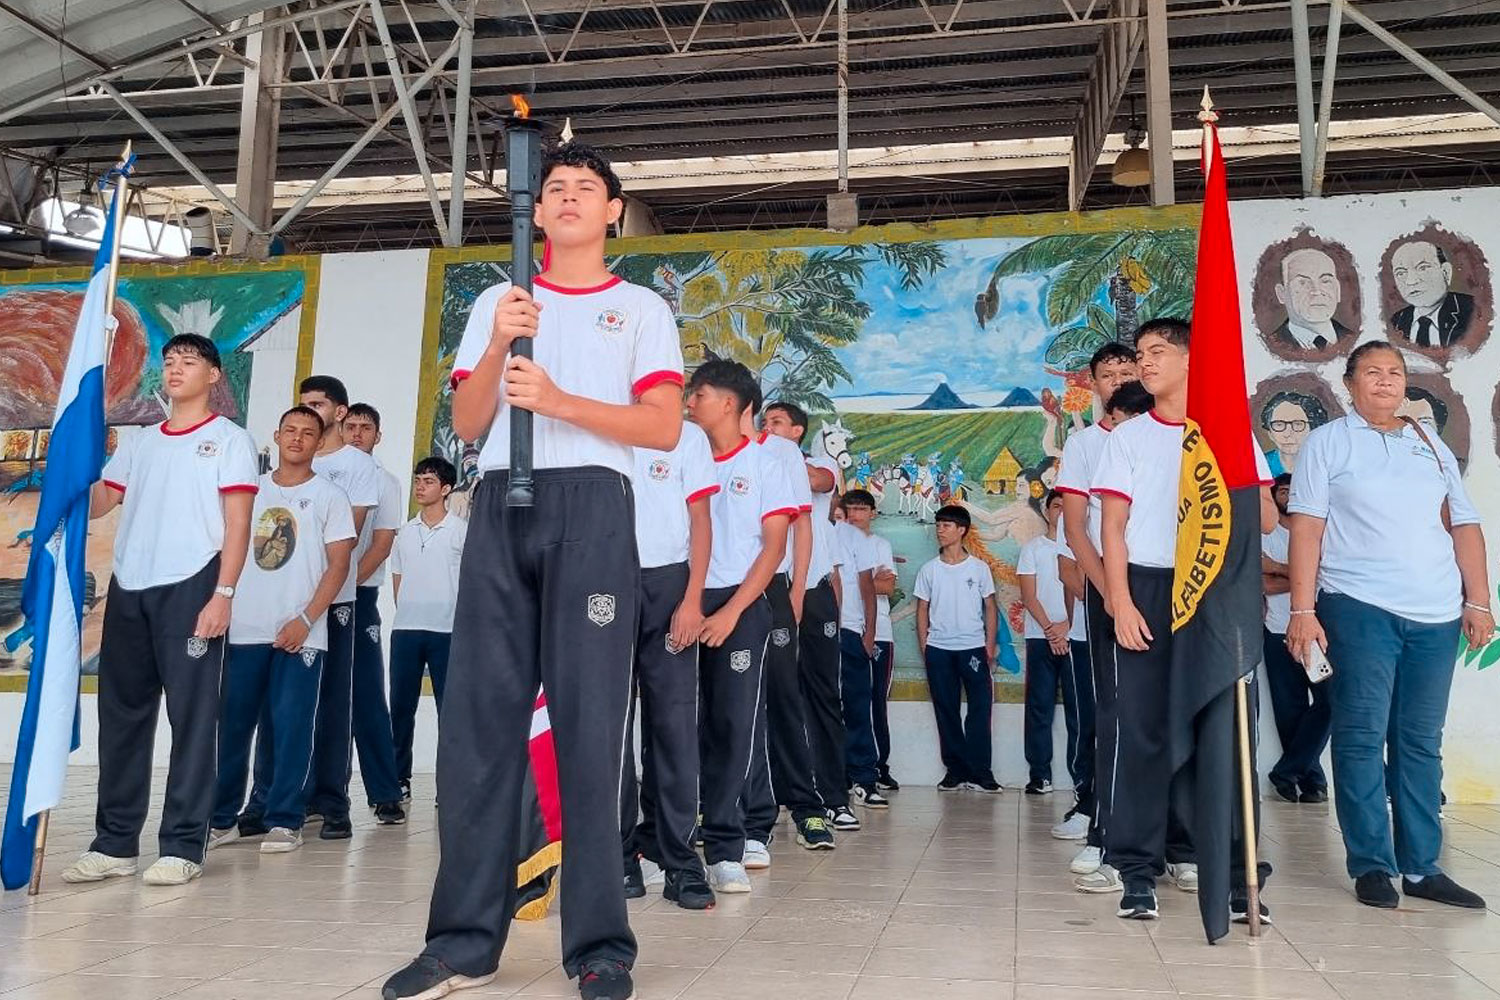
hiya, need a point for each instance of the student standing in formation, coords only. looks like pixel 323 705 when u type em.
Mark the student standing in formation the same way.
pixel 1112 366
pixel 548 593
pixel 1055 634
pixel 1137 477
pixel 752 516
pixel 674 533
pixel 426 558
pixel 858 647
pixel 956 623
pixel 1304 717
pixel 818 630
pixel 782 772
pixel 303 534
pixel 373 731
pixel 187 486
pixel 883 663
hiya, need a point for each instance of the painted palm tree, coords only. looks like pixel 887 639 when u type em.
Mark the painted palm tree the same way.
pixel 1143 273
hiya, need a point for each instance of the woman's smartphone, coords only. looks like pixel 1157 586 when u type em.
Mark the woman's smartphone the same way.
pixel 1317 666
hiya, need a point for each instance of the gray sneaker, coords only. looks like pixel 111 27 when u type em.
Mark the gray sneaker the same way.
pixel 96 867
pixel 728 876
pixel 1103 879
pixel 1184 876
pixel 218 838
pixel 281 840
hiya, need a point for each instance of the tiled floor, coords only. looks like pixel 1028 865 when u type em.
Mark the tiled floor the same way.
pixel 953 897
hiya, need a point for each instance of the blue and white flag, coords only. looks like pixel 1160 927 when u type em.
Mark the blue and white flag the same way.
pixel 52 596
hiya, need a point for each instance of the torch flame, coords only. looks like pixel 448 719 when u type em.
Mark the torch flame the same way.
pixel 521 106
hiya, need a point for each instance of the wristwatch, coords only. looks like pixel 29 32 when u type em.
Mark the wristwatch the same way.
pixel 225 591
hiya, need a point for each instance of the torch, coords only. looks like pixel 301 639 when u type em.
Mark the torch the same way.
pixel 523 175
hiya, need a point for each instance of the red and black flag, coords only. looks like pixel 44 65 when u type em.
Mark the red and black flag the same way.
pixel 1216 589
pixel 536 875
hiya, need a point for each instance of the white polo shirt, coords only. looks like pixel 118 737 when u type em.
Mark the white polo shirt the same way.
pixel 389 514
pixel 857 554
pixel 358 475
pixel 955 595
pixel 610 343
pixel 752 487
pixel 1381 496
pixel 1080 459
pixel 172 515
pixel 427 560
pixel 1276 545
pixel 666 484
pixel 1142 463
pixel 794 468
pixel 289 534
pixel 884 559
pixel 825 555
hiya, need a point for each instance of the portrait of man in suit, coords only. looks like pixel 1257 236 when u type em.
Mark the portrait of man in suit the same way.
pixel 1434 314
pixel 1310 290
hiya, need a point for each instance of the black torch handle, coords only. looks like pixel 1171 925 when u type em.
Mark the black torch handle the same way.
pixel 523 169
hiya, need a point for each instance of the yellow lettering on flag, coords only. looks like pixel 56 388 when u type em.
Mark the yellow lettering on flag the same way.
pixel 1202 525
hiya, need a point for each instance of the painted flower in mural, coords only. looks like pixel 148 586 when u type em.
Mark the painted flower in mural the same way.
pixel 1078 394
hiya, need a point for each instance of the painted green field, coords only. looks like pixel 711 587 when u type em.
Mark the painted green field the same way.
pixel 974 438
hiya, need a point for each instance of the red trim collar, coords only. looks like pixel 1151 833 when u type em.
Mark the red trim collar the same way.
pixel 1163 420
pixel 544 283
pixel 744 441
pixel 188 430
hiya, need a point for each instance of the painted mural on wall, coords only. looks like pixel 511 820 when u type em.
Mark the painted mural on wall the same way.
pixel 240 308
pixel 937 370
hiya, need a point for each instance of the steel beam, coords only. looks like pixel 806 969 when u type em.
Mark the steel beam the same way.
pixel 843 95
pixel 409 107
pixel 459 137
pixel 1325 99
pixel 1159 105
pixel 1307 122
pixel 1110 75
pixel 260 110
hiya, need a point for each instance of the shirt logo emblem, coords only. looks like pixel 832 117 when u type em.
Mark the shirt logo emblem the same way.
pixel 373 631
pixel 830 629
pixel 208 449
pixel 610 322
pixel 781 637
pixel 197 647
pixel 739 660
pixel 342 614
pixel 739 486
pixel 309 656
pixel 660 469
pixel 601 609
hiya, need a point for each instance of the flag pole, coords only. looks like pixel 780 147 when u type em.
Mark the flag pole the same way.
pixel 117 211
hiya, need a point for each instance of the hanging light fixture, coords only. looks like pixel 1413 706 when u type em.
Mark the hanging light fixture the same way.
pixel 1132 167
pixel 85 219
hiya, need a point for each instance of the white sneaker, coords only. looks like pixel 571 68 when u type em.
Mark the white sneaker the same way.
pixel 757 856
pixel 1075 827
pixel 281 840
pixel 1103 879
pixel 172 871
pixel 96 867
pixel 1086 861
pixel 218 838
pixel 1184 876
pixel 728 876
pixel 652 873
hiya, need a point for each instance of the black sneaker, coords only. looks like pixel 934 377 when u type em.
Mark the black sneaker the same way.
pixel 1442 889
pixel 426 978
pixel 253 826
pixel 1286 791
pixel 843 818
pixel 986 784
pixel 1038 786
pixel 950 783
pixel 605 979
pixel 1375 889
pixel 406 793
pixel 635 881
pixel 1239 909
pixel 1314 795
pixel 389 814
pixel 869 797
pixel 689 890
pixel 336 829
pixel 886 782
pixel 813 834
pixel 1138 902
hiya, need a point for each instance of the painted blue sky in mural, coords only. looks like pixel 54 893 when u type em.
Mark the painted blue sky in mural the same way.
pixel 915 340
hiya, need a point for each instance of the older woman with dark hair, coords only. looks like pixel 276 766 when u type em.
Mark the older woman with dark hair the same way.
pixel 1387 570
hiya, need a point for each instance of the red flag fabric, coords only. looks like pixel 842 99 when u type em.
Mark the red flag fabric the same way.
pixel 536 875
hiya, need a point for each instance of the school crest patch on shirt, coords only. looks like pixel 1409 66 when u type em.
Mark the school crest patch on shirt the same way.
pixel 739 486
pixel 610 322
pixel 739 660
pixel 208 449
pixel 660 469
pixel 601 609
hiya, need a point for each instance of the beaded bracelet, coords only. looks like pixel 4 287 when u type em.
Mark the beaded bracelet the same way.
pixel 1472 607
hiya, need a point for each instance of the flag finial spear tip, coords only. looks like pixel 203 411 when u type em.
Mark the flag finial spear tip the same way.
pixel 1208 114
pixel 567 130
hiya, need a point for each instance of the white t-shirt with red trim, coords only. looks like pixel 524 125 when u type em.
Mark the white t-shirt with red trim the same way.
pixel 389 515
pixel 1080 459
pixel 825 554
pixel 172 517
pixel 1142 463
pixel 794 467
pixel 610 343
pixel 857 554
pixel 666 484
pixel 752 487
pixel 358 475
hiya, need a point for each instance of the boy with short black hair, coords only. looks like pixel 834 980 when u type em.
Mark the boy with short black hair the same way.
pixel 859 648
pixel 186 486
pixel 299 557
pixel 548 593
pixel 424 563
pixel 752 514
pixel 956 628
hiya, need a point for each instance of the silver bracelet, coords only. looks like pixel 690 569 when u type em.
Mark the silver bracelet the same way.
pixel 305 620
pixel 1308 611
pixel 1478 607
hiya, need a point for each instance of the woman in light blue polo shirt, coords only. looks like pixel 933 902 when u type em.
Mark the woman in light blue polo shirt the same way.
pixel 1387 569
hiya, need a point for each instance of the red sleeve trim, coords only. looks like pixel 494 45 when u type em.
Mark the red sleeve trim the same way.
pixel 788 511
pixel 702 494
pixel 240 488
pixel 459 374
pixel 1114 493
pixel 1069 489
pixel 117 487
pixel 648 382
